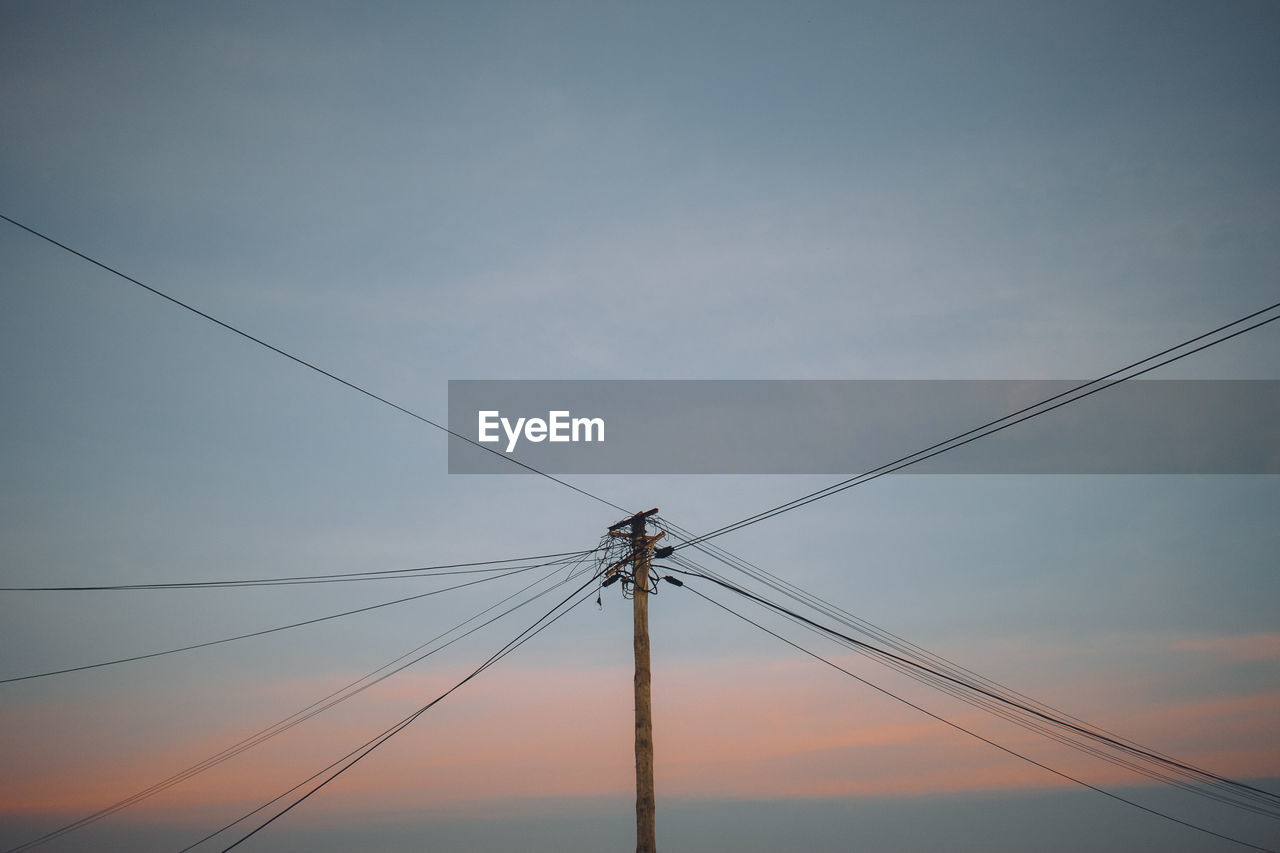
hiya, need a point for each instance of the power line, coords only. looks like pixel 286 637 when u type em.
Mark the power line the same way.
pixel 360 752
pixel 821 605
pixel 974 734
pixel 1001 423
pixel 341 577
pixel 316 708
pixel 1087 731
pixel 303 362
pixel 1231 793
pixel 264 631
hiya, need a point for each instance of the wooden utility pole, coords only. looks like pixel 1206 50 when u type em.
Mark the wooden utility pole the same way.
pixel 641 549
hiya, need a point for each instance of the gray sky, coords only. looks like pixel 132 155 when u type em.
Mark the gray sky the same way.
pixel 408 193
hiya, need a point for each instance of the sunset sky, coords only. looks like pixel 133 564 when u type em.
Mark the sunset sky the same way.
pixel 408 193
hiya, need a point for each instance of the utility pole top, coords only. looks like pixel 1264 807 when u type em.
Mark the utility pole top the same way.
pixel 628 522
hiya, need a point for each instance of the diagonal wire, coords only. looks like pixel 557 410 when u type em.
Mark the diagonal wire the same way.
pixel 974 734
pixel 1158 769
pixel 314 709
pixel 1001 423
pixel 1083 730
pixel 339 577
pixel 1224 790
pixel 263 632
pixel 354 756
pixel 870 629
pixel 260 342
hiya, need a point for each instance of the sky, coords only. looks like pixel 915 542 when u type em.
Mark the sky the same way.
pixel 405 194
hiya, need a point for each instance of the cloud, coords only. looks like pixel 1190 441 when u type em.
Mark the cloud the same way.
pixel 738 729
pixel 1251 647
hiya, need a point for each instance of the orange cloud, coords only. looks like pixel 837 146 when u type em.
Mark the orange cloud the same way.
pixel 1252 647
pixel 735 729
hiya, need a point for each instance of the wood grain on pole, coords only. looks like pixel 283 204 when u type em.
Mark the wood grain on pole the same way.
pixel 645 832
